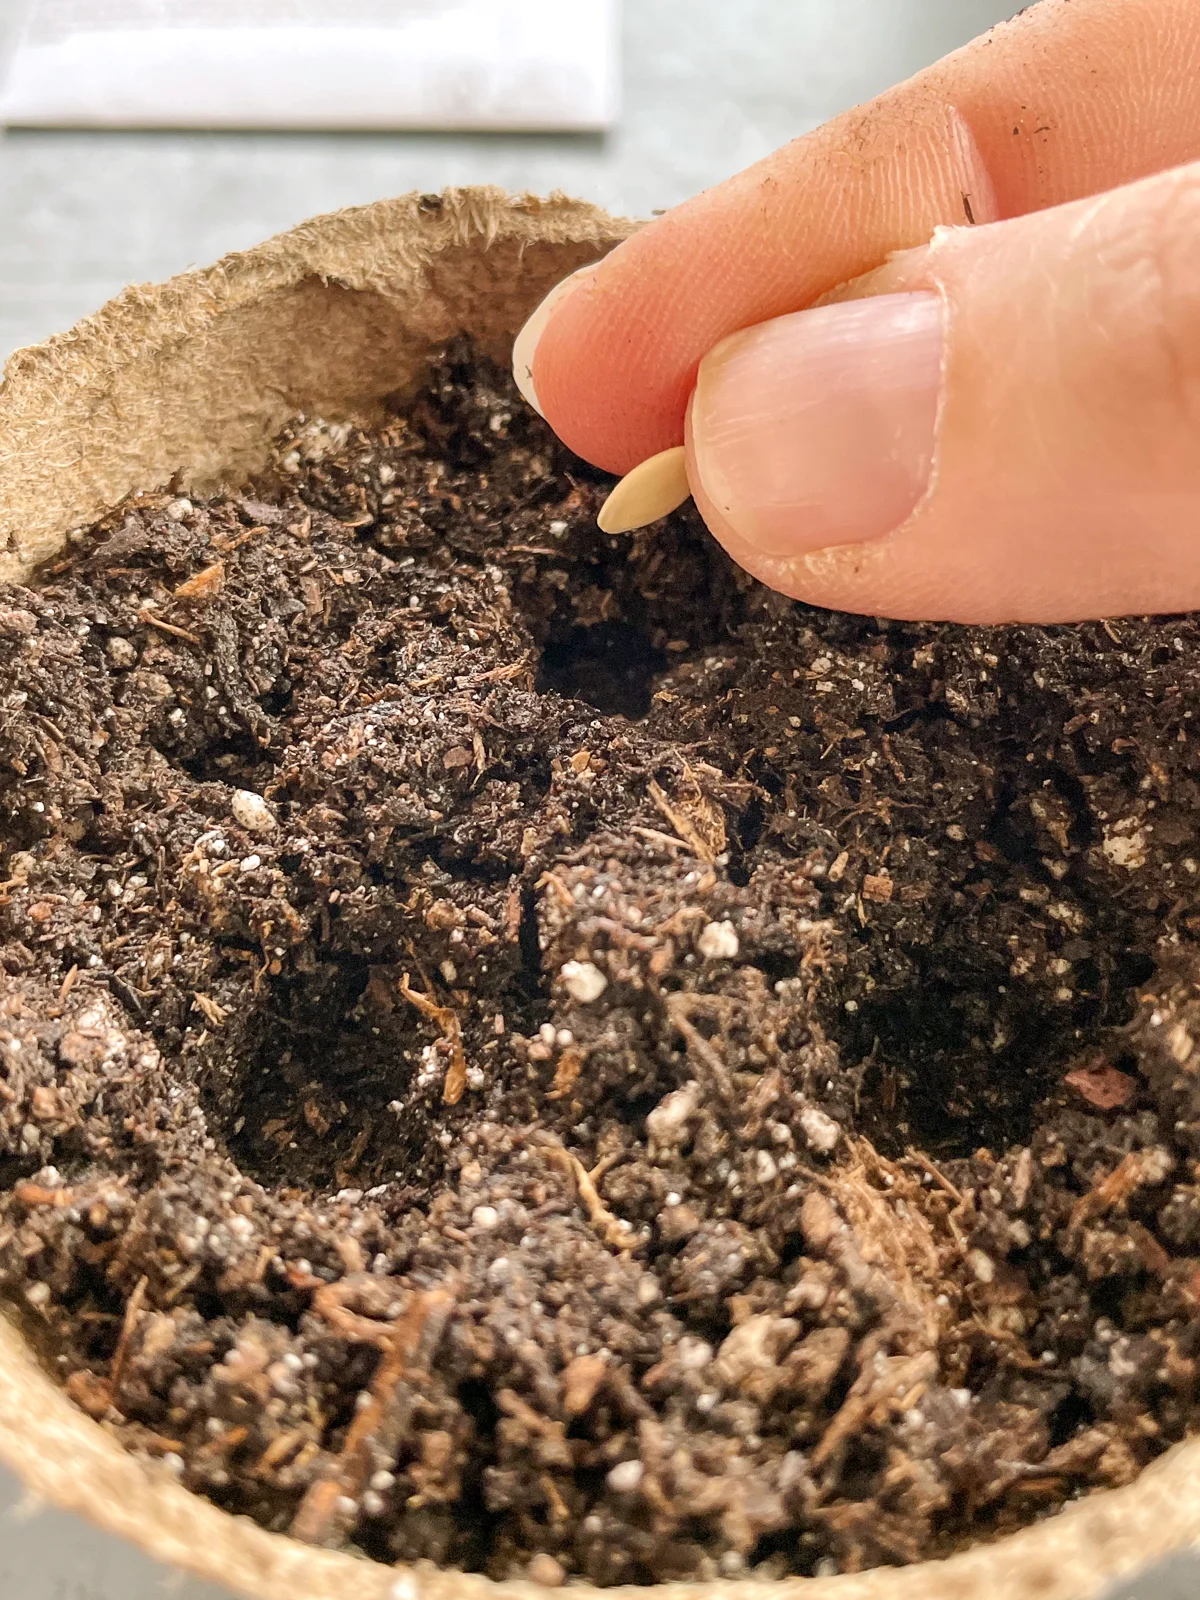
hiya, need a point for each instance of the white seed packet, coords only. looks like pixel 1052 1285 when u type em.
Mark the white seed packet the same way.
pixel 489 65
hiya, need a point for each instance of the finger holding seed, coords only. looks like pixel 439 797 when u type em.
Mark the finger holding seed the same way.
pixel 939 359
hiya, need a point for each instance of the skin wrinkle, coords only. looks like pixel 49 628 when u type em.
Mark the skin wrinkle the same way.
pixel 1130 284
pixel 1096 85
pixel 984 206
pixel 1174 251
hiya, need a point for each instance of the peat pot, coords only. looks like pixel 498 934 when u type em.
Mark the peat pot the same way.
pixel 185 383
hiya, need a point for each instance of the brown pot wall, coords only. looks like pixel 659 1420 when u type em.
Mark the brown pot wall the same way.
pixel 187 382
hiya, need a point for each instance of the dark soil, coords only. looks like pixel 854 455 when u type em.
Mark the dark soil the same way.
pixel 523 1049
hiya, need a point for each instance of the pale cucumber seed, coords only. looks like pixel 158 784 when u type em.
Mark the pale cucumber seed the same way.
pixel 652 490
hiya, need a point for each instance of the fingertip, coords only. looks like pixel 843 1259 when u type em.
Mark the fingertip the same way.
pixel 527 341
pixel 602 367
pixel 615 366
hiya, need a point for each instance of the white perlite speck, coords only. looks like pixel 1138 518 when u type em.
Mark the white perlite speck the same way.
pixel 1125 847
pixel 252 812
pixel 982 1265
pixel 625 1476
pixel 693 1354
pixel 718 941
pixel 583 981
pixel 120 652
pixel 765 1169
pixel 667 1122
pixel 821 1132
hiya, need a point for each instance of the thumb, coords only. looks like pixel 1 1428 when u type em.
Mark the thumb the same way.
pixel 1006 428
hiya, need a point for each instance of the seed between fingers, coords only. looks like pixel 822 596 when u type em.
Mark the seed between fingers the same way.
pixel 652 490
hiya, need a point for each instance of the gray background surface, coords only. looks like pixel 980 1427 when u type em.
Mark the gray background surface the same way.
pixel 709 87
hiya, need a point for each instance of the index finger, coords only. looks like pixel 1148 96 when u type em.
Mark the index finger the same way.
pixel 1070 98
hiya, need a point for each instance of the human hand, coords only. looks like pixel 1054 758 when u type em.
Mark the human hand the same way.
pixel 1000 422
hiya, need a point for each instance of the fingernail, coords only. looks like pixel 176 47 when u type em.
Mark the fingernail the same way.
pixel 817 429
pixel 526 342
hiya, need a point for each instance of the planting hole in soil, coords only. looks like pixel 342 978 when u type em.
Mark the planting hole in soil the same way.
pixel 521 1048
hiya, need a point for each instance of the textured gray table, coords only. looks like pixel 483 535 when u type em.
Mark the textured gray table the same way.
pixel 709 87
